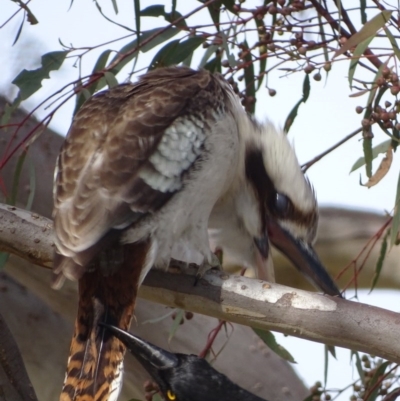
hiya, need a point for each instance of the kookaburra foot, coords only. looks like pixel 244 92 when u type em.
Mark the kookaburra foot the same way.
pixel 205 266
pixel 176 264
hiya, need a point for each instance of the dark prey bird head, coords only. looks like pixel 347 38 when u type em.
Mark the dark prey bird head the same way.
pixel 182 377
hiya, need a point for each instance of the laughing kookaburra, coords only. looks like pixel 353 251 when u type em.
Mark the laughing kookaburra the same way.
pixel 138 175
pixel 271 201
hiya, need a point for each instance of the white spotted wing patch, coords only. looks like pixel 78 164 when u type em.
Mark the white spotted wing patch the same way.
pixel 179 148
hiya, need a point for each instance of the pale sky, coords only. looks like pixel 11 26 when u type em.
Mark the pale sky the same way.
pixel 328 116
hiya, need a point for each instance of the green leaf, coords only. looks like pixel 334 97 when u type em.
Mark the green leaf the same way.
pixel 3 259
pixel 8 110
pixel 30 81
pixel 379 263
pixel 162 37
pixel 369 29
pixel 393 42
pixel 175 52
pixel 396 138
pixel 249 80
pixel 373 91
pixel 326 364
pixel 363 6
pixel 115 6
pixel 157 397
pixel 83 95
pixel 214 65
pixel 367 149
pixel 377 376
pixel 101 61
pixel 153 11
pixel 17 36
pixel 358 52
pixel 158 10
pixel 396 216
pixel 332 350
pixel 270 341
pixel 229 5
pixel 262 50
pixel 159 319
pixel 137 17
pixel 110 78
pixel 207 54
pixel 176 323
pixel 293 113
pixel 359 367
pixel 230 57
pixel 173 9
pixel 100 65
pixel 32 185
pixel 214 10
pixel 17 175
pixel 376 151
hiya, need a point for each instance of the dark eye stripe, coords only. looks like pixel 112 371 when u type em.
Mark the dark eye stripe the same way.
pixel 267 194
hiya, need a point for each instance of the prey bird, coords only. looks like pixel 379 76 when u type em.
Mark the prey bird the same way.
pixel 182 377
pixel 144 170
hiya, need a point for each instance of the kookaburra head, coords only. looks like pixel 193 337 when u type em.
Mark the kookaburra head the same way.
pixel 272 203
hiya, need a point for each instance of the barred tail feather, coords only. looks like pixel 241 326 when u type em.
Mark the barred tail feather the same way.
pixel 95 364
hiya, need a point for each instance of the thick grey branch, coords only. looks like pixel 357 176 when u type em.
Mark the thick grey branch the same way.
pixel 238 299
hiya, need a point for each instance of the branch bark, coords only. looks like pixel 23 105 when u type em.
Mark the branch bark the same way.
pixel 14 381
pixel 239 299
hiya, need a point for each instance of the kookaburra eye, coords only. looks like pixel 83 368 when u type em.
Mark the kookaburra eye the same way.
pixel 282 204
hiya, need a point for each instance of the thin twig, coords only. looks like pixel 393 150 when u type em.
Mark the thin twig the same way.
pixel 307 165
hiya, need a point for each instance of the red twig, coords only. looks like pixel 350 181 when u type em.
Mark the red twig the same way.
pixel 211 338
pixel 379 382
pixel 370 244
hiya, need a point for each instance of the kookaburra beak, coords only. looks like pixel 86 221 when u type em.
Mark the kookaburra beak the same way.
pixel 301 254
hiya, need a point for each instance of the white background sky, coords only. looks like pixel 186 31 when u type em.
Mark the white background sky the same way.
pixel 327 117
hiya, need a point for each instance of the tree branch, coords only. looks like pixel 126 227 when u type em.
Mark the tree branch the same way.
pixel 15 384
pixel 237 299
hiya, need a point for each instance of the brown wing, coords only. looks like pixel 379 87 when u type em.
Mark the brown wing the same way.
pixel 111 166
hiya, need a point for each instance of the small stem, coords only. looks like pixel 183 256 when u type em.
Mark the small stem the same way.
pixel 307 165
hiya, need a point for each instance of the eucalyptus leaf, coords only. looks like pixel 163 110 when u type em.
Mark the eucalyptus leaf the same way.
pixel 30 81
pixel 358 52
pixel 376 151
pixel 249 80
pixel 396 216
pixel 293 113
pixel 270 341
pixel 369 29
pixel 381 259
pixel 175 325
pixel 175 52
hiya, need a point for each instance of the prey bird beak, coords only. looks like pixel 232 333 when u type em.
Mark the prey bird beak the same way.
pixel 150 356
pixel 303 256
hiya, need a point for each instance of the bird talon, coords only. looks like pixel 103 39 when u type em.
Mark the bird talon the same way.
pixel 176 265
pixel 214 264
